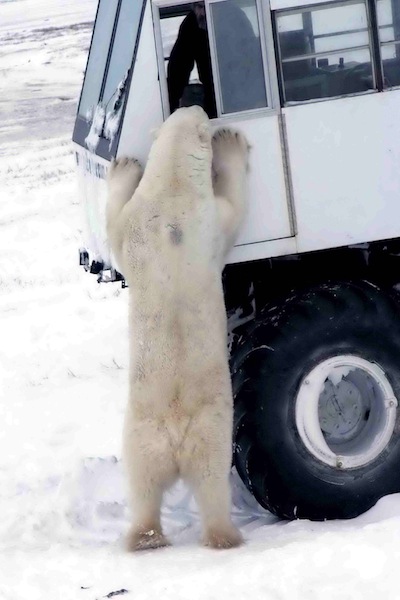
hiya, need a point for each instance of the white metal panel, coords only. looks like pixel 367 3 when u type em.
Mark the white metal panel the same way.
pixel 144 97
pixel 249 252
pixel 281 4
pixel 91 171
pixel 345 158
pixel 268 211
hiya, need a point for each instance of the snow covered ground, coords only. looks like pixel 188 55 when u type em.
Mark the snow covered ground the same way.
pixel 63 386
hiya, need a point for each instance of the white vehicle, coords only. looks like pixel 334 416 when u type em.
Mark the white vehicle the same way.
pixel 311 283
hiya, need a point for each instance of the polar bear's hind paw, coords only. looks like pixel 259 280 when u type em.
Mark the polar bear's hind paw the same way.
pixel 223 538
pixel 146 540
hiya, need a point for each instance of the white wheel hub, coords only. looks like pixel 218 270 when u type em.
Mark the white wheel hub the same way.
pixel 345 411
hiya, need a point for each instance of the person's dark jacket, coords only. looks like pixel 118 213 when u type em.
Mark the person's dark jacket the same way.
pixel 191 46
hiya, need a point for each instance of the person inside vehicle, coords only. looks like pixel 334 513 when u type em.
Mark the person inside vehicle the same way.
pixel 238 55
pixel 191 47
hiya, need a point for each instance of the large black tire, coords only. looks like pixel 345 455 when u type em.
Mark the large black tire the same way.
pixel 268 367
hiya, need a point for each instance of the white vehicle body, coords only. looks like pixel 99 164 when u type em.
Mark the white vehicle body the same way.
pixel 324 171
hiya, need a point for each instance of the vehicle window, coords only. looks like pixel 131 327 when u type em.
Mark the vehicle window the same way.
pixel 169 33
pixel 123 48
pixel 388 14
pixel 229 33
pixel 186 56
pixel 98 57
pixel 104 91
pixel 239 58
pixel 324 51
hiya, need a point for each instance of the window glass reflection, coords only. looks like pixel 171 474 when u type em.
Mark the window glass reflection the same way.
pixel 325 52
pixel 388 12
pixel 239 55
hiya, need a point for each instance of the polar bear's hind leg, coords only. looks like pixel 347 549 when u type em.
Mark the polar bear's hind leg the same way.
pixel 205 465
pixel 151 469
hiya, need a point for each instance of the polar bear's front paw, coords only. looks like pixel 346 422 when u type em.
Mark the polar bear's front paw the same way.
pixel 227 143
pixel 128 170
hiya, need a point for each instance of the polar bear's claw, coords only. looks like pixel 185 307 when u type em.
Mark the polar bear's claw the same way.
pixel 230 138
pixel 125 167
pixel 229 143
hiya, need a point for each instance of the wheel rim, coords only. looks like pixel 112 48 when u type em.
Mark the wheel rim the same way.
pixel 345 411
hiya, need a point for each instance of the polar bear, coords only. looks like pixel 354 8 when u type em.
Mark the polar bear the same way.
pixel 170 229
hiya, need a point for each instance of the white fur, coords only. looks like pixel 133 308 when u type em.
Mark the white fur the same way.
pixel 170 230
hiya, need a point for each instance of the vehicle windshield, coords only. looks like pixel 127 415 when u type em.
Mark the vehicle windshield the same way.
pixel 111 52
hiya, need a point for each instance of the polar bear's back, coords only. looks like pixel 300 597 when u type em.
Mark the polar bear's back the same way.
pixel 172 257
pixel 171 241
pixel 174 275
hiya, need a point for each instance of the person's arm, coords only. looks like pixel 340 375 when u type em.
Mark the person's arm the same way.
pixel 181 61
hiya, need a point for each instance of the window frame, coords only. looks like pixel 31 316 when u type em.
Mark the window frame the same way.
pixel 82 125
pixel 375 45
pixel 329 4
pixel 267 52
pixel 380 44
pixel 214 62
